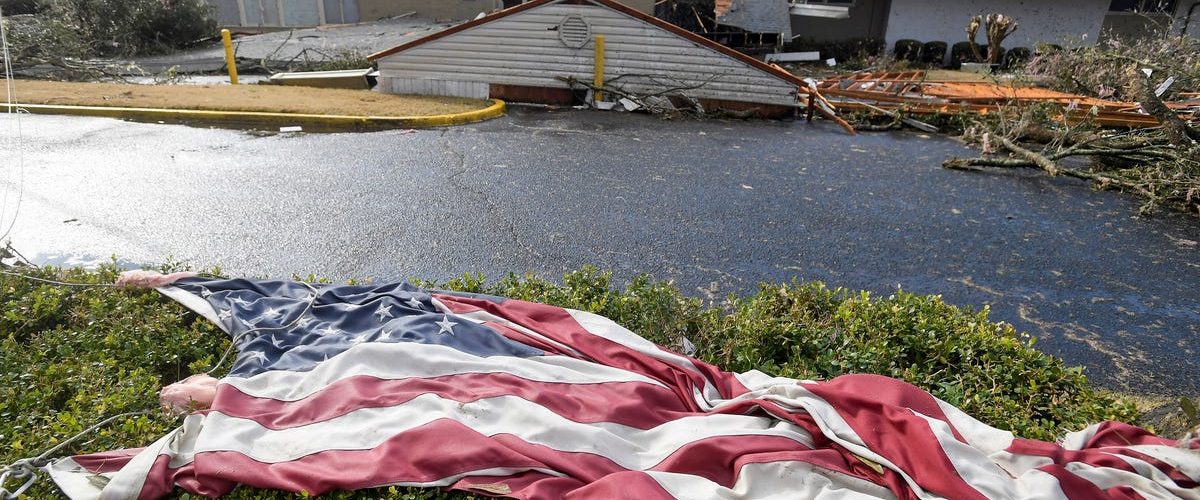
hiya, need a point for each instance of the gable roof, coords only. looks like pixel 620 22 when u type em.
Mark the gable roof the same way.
pixel 611 4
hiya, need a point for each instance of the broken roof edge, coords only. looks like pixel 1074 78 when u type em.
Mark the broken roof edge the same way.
pixel 611 4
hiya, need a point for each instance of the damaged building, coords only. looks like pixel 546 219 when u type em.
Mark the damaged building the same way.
pixel 557 51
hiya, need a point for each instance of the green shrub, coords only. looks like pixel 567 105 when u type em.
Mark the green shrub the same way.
pixel 18 7
pixel 907 50
pixel 85 29
pixel 1017 57
pixel 961 53
pixel 1105 70
pixel 934 53
pixel 71 356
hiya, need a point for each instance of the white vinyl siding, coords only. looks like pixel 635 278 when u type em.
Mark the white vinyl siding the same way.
pixel 423 86
pixel 525 49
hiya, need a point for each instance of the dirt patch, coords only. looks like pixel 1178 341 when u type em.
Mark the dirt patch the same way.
pixel 261 98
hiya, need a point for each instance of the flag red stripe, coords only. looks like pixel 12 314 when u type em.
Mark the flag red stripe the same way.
pixel 531 484
pixel 163 479
pixel 557 324
pixel 635 404
pixel 422 455
pixel 517 335
pixel 1062 456
pixel 1078 488
pixel 1121 434
pixel 717 458
pixel 628 484
pixel 879 409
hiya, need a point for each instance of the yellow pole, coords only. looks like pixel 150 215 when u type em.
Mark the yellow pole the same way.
pixel 598 77
pixel 229 61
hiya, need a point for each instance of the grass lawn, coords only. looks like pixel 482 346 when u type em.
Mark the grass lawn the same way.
pixel 262 98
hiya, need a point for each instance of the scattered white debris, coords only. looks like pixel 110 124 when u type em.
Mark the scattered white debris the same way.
pixel 291 129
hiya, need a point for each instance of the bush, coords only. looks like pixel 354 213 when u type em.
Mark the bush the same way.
pixel 84 29
pixel 961 53
pixel 18 7
pixel 71 356
pixel 934 53
pixel 1017 58
pixel 907 50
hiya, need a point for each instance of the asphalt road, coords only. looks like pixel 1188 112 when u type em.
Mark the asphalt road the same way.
pixel 716 206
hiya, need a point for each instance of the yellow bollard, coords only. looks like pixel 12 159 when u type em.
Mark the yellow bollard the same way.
pixel 229 61
pixel 598 76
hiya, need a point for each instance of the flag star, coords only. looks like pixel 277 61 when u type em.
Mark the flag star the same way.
pixel 445 325
pixel 358 339
pixel 271 313
pixel 277 342
pixel 384 312
pixel 303 321
pixel 329 330
pixel 239 301
pixel 257 356
pixel 225 314
pixel 206 293
pixel 414 303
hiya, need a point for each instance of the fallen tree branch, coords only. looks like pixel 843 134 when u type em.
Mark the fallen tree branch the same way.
pixel 1177 131
pixel 1037 159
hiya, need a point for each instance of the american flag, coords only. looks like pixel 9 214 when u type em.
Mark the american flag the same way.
pixel 351 387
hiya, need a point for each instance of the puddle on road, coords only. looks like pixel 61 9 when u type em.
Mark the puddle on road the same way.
pixel 80 260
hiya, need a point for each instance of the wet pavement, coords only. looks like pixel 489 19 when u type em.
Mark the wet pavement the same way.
pixel 716 206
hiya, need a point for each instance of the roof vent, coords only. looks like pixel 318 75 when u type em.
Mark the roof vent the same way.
pixel 574 32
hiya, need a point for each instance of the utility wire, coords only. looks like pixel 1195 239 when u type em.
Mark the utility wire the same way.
pixel 16 112
pixel 312 300
pixel 60 283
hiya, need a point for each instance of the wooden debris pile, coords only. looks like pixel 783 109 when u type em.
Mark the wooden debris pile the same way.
pixel 910 92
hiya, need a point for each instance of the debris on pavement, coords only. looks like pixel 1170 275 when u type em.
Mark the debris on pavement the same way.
pixel 355 79
pixel 911 92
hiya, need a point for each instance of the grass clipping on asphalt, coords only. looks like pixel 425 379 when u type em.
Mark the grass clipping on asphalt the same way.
pixel 255 98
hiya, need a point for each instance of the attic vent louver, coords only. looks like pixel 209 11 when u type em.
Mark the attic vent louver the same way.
pixel 574 32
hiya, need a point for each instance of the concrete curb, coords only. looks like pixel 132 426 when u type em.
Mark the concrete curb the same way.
pixel 249 119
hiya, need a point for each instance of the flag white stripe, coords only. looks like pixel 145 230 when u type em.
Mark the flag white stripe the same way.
pixel 364 429
pixel 1186 462
pixel 1038 485
pixel 987 439
pixel 1105 478
pixel 75 481
pixel 1078 440
pixel 392 361
pixel 783 480
pixel 1150 473
pixel 197 304
pixel 972 465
